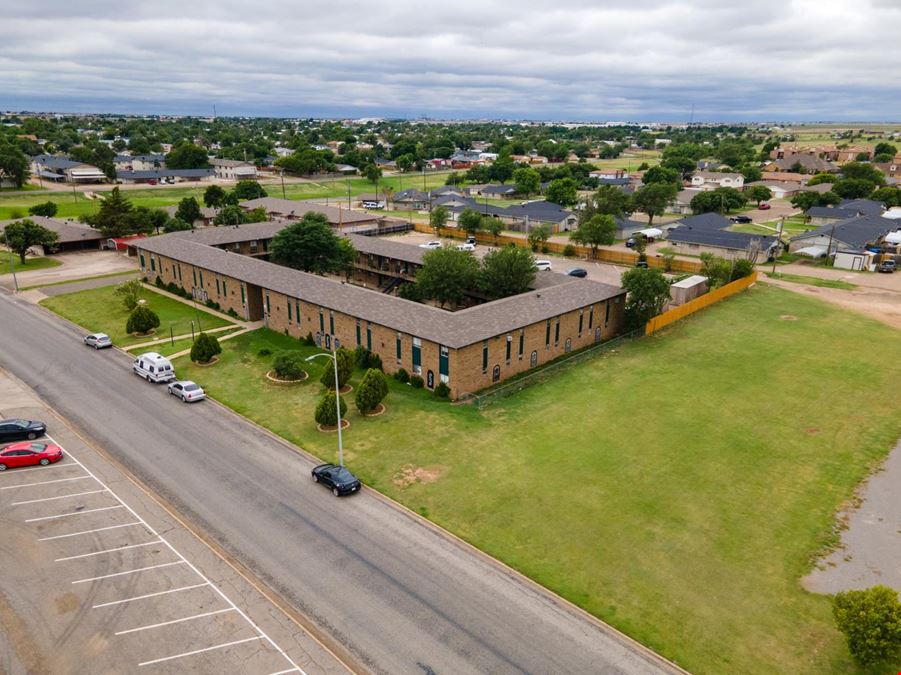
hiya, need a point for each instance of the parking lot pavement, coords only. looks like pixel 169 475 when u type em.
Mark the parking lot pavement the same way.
pixel 97 577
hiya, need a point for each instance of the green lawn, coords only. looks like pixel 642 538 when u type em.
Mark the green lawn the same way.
pixel 31 263
pixel 98 309
pixel 166 347
pixel 814 281
pixel 133 273
pixel 678 488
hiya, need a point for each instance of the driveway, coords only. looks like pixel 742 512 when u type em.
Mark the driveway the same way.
pixel 74 266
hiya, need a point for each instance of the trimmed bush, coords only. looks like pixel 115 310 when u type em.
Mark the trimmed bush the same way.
pixel 372 390
pixel 309 341
pixel 365 359
pixel 326 414
pixel 345 359
pixel 205 347
pixel 871 622
pixel 569 251
pixel 129 292
pixel 159 282
pixel 401 376
pixel 265 351
pixel 232 313
pixel 442 390
pixel 741 269
pixel 142 320
pixel 417 382
pixel 288 365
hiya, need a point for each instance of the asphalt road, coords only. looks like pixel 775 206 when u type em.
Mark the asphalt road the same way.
pixel 398 596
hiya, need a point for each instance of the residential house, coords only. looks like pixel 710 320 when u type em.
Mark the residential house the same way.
pixel 780 189
pixel 785 175
pixel 863 207
pixel 206 215
pixel 710 180
pixel 823 215
pixel 682 203
pixel 702 221
pixel 854 234
pixel 626 227
pixel 411 200
pixel 608 173
pixel 731 245
pixel 499 191
pixel 63 169
pixel 161 175
pixel 338 217
pixel 809 163
pixel 233 169
pixel 73 236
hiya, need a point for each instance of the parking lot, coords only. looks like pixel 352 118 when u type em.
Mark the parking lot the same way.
pixel 97 578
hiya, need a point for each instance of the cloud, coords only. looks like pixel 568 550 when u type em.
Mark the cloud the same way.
pixel 568 59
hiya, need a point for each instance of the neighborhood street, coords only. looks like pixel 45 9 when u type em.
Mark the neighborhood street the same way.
pixel 382 589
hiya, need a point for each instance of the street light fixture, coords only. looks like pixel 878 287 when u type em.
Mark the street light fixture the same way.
pixel 334 359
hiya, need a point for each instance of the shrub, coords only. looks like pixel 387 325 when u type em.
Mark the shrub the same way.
pixel 417 382
pixel 569 251
pixel 142 320
pixel 232 313
pixel 326 413
pixel 372 390
pixel 129 292
pixel 288 365
pixel 668 259
pixel 402 376
pixel 159 282
pixel 173 288
pixel 345 359
pixel 545 250
pixel 871 622
pixel 205 347
pixel 375 361
pixel 265 351
pixel 742 268
pixel 442 390
pixel 309 341
pixel 365 359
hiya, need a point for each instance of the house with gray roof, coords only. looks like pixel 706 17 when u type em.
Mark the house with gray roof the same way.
pixel 702 221
pixel 63 169
pixel 731 245
pixel 73 235
pixel 850 234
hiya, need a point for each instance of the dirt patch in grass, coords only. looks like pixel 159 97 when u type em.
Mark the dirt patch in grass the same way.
pixel 788 317
pixel 409 475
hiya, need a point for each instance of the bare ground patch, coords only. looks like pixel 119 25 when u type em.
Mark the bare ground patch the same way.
pixel 408 475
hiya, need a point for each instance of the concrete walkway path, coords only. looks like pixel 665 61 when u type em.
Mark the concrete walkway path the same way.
pixel 185 352
pixel 185 336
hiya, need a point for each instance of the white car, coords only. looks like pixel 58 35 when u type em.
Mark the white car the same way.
pixel 187 391
pixel 98 340
pixel 543 265
pixel 431 244
pixel 466 247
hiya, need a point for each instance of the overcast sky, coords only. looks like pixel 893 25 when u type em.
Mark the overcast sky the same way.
pixel 534 59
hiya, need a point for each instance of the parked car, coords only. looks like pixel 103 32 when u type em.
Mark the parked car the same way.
pixel 543 265
pixel 578 272
pixel 337 478
pixel 17 430
pixel 431 244
pixel 98 340
pixel 466 247
pixel 186 390
pixel 471 240
pixel 764 206
pixel 630 242
pixel 153 367
pixel 741 219
pixel 887 266
pixel 29 453
pixel 642 264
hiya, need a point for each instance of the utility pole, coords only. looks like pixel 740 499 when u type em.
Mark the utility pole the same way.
pixel 282 174
pixel 779 238
pixel 829 248
pixel 12 269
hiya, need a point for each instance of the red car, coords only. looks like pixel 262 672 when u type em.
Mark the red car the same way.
pixel 29 453
pixel 764 206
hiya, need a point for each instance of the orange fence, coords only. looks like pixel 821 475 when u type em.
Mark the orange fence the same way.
pixel 626 258
pixel 693 306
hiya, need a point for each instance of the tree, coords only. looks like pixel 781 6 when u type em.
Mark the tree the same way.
pixel 372 173
pixel 112 217
pixel 405 162
pixel 345 359
pixel 142 320
pixel 608 200
pixel 327 409
pixel 288 365
pixel 23 234
pixel 751 173
pixel 654 198
pixel 438 218
pixel 853 188
pixel 662 174
pixel 176 225
pixel 647 292
pixel 808 199
pixel 717 270
pixel 885 149
pixel 311 245
pixel 129 292
pixel 13 165
pixel 507 271
pixel 863 171
pixel 871 622
pixel 187 156
pixel 47 209
pixel 538 236
pixel 230 215
pixel 759 193
pixel 372 390
pixel 599 230
pixel 446 275
pixel 470 221
pixel 501 170
pixel 890 196
pixel 562 191
pixel 248 189
pixel 720 200
pixel 213 196
pixel 492 226
pixel 818 178
pixel 527 181
pixel 188 210
pixel 205 347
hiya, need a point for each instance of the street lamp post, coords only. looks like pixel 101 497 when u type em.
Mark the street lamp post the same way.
pixel 334 358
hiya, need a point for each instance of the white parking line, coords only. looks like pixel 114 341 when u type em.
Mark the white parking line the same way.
pixel 50 499
pixel 58 465
pixel 169 623
pixel 122 574
pixel 72 513
pixel 282 672
pixel 200 651
pixel 44 482
pixel 109 550
pixel 150 595
pixel 207 582
pixel 99 529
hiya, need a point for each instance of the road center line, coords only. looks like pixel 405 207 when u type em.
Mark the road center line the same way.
pixel 200 651
pixel 169 623
pixel 50 499
pixel 150 595
pixel 121 574
pixel 108 550
pixel 45 482
pixel 73 513
pixel 99 529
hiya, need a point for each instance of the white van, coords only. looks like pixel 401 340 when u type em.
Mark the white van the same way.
pixel 154 368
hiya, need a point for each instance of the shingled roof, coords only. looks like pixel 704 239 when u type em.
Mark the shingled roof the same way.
pixel 293 208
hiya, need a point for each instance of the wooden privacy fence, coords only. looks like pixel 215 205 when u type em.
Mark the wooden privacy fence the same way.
pixel 626 258
pixel 693 306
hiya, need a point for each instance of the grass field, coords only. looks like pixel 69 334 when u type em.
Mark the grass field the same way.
pixel 814 281
pixel 677 495
pixel 31 263
pixel 98 309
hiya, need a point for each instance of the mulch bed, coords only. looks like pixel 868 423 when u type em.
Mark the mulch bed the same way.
pixel 379 410
pixel 331 429
pixel 211 362
pixel 273 378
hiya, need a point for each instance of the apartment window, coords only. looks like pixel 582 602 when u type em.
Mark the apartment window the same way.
pixel 547 334
pixel 398 348
pixel 297 312
pixel 217 286
pixel 193 273
pixel 509 347
pixel 359 341
pixel 143 264
pixel 243 296
pixel 580 322
pixel 557 333
pixel 178 271
pixel 268 308
pixel 522 341
pixel 331 322
pixel 485 357
pixel 417 355
pixel 224 289
pixel 289 312
pixel 606 312
pixel 201 278
pixel 321 321
pixel 368 336
pixel 443 364
pixel 591 317
pixel 152 264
